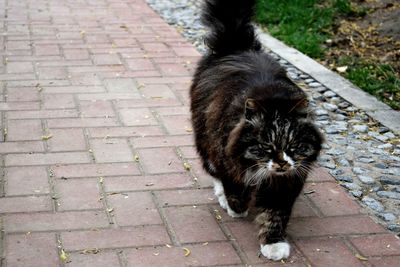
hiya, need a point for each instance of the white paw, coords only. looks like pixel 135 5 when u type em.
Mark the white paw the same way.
pixel 219 192
pixel 218 187
pixel 276 251
pixel 236 215
pixel 223 202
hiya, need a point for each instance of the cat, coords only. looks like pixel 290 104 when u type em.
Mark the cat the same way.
pixel 253 129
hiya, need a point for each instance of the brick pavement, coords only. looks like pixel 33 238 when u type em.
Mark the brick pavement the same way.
pixel 95 133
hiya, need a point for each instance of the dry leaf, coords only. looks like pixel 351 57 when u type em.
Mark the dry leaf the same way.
pixel 342 69
pixel 187 251
pixel 217 215
pixel 64 257
pixel 90 251
pixel 361 258
pixel 46 137
pixel 187 166
pixel 309 192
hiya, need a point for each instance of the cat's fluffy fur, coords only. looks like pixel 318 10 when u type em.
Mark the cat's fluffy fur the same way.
pixel 252 126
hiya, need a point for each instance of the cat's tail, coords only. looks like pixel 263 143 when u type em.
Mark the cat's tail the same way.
pixel 230 25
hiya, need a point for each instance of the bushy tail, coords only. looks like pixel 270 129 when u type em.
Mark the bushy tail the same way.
pixel 230 25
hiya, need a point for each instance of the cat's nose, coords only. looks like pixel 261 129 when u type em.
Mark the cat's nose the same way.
pixel 282 164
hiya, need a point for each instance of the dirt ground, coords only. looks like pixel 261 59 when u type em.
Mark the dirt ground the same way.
pixel 371 33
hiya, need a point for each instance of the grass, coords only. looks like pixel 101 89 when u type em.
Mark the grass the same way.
pixel 307 24
pixel 304 24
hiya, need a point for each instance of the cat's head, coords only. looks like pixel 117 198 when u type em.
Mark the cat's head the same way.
pixel 275 140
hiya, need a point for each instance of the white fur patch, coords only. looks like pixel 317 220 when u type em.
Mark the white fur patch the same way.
pixel 276 251
pixel 219 193
pixel 236 215
pixel 223 202
pixel 269 164
pixel 288 159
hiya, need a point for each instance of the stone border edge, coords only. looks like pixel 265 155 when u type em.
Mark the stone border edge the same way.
pixel 333 81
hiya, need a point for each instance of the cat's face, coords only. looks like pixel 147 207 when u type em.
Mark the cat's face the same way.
pixel 278 145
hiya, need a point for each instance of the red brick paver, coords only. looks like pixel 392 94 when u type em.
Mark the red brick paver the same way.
pixel 95 131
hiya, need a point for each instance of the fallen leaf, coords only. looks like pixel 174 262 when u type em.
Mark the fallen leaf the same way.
pixel 64 257
pixel 361 258
pixel 217 215
pixel 187 166
pixel 90 251
pixel 342 69
pixel 187 251
pixel 46 137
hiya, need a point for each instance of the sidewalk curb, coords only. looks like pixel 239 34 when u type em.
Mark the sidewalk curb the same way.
pixel 333 81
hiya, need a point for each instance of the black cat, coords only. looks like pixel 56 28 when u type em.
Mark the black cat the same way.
pixel 252 126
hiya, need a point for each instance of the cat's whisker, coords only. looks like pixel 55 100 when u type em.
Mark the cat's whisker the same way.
pixel 252 166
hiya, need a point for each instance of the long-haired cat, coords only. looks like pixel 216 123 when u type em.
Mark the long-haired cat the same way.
pixel 252 127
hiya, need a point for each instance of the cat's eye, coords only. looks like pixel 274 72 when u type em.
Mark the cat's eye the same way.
pixel 257 152
pixel 265 149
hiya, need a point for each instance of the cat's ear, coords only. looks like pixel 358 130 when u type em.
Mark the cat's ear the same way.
pixel 300 106
pixel 249 108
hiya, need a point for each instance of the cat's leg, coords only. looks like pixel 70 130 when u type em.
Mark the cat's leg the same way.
pixel 232 197
pixel 220 194
pixel 272 232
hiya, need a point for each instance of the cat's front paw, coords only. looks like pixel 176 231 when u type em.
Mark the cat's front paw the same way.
pixel 276 251
pixel 234 214
pixel 223 202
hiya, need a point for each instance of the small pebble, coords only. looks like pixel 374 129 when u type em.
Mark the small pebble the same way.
pixel 344 163
pixel 358 170
pixel 329 94
pixel 329 107
pixel 373 204
pixel 351 186
pixel 389 180
pixel 356 193
pixel 360 128
pixel 388 194
pixel 366 179
pixel 314 84
pixel 387 216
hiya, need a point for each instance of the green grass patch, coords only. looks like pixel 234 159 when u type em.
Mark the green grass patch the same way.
pixel 303 24
pixel 307 24
pixel 380 80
